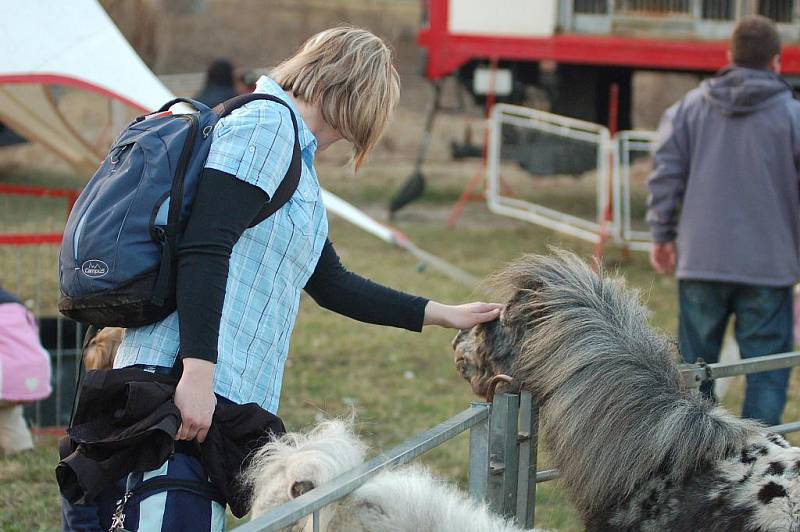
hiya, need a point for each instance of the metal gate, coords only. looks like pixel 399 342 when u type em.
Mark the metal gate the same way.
pixel 29 270
pixel 558 149
pixel 633 147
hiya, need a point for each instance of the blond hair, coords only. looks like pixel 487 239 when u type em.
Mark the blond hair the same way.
pixel 347 71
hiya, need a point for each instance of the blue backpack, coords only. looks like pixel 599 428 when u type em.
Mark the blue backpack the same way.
pixel 117 261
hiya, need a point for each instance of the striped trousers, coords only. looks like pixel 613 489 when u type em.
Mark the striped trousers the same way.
pixel 174 510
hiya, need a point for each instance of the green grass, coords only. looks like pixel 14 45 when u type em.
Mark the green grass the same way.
pixel 398 383
pixel 28 495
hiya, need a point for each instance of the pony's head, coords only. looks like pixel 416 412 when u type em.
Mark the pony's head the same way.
pixel 483 352
pixel 560 315
pixel 492 348
pixel 101 349
pixel 296 463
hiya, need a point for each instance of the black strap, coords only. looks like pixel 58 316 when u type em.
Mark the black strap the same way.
pixel 292 178
pixel 172 102
pixel 91 332
pixel 155 485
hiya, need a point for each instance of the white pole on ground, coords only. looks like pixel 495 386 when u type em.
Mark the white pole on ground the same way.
pixel 352 214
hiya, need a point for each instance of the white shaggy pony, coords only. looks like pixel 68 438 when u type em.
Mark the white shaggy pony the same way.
pixel 404 500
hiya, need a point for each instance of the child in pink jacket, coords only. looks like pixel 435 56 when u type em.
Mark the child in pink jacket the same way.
pixel 24 372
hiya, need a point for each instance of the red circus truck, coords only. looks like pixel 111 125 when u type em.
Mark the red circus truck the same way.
pixel 576 49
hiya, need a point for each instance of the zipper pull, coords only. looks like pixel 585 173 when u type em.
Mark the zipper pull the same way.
pixel 116 154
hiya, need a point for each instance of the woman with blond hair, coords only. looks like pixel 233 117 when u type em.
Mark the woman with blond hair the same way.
pixel 238 287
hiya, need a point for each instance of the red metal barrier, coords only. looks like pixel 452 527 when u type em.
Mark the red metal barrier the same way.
pixel 41 192
pixel 26 239
pixel 30 239
pixel 27 260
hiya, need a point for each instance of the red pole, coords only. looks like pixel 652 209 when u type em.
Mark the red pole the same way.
pixel 608 210
pixel 467 194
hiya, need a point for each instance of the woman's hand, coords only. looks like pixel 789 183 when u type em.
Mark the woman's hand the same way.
pixel 460 316
pixel 194 397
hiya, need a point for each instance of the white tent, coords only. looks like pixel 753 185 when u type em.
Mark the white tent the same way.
pixel 46 43
pixel 73 44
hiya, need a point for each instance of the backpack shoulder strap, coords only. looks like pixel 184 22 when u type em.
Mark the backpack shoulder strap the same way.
pixel 292 178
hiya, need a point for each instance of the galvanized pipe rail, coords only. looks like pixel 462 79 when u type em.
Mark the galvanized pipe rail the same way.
pixel 695 374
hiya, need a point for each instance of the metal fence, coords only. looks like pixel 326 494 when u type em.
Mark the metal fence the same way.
pixel 539 134
pixel 25 266
pixel 628 146
pixel 29 270
pixel 692 19
pixel 781 11
pixel 613 160
pixel 502 451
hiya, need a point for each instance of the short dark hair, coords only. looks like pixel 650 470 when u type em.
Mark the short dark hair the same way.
pixel 220 72
pixel 755 42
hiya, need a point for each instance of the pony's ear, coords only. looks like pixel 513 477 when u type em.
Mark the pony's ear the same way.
pixel 510 309
pixel 300 487
pixel 503 318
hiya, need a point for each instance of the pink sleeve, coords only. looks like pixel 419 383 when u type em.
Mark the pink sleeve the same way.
pixel 24 363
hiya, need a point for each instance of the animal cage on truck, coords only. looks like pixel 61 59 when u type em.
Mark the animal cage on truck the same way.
pixel 587 45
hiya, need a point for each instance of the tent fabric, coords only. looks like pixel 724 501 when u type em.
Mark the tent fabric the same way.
pixel 73 44
pixel 30 110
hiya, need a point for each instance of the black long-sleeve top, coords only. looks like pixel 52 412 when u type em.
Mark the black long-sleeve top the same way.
pixel 223 209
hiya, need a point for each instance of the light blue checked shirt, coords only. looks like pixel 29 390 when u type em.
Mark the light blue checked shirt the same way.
pixel 269 265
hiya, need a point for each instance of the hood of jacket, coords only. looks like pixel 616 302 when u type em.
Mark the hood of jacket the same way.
pixel 738 90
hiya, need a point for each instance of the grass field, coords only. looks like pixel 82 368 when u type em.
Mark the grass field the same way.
pixel 398 383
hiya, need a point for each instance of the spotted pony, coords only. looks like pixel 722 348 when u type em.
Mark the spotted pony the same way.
pixel 637 450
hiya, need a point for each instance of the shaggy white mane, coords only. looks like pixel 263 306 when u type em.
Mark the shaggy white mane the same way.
pixel 404 500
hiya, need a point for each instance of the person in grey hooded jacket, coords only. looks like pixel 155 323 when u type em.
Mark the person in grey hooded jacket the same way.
pixel 724 208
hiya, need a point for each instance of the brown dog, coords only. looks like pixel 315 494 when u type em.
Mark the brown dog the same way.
pixel 101 350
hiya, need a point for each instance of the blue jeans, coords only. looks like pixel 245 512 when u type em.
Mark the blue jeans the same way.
pixel 763 327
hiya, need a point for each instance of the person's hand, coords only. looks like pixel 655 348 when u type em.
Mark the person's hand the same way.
pixel 460 316
pixel 194 397
pixel 662 257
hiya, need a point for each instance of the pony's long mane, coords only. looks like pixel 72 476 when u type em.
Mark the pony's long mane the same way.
pixel 615 409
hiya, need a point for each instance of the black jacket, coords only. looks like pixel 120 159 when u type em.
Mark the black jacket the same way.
pixel 126 421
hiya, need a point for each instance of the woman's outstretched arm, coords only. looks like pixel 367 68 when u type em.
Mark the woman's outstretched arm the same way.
pixel 336 288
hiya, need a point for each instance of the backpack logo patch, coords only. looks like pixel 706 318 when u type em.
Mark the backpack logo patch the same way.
pixel 94 268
